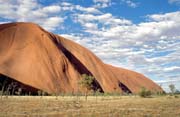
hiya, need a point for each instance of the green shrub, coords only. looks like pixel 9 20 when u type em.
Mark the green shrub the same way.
pixel 87 83
pixel 172 88
pixel 176 96
pixel 145 93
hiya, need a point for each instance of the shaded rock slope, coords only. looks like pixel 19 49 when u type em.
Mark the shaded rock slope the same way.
pixel 45 61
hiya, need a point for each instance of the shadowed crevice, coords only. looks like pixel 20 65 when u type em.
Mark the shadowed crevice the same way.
pixel 124 88
pixel 76 63
pixel 9 86
pixel 81 68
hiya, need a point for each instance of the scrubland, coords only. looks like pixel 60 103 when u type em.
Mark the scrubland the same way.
pixel 94 106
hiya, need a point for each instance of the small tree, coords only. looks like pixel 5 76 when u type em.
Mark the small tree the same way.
pixel 86 82
pixel 19 91
pixel 145 93
pixel 39 92
pixel 3 87
pixel 172 88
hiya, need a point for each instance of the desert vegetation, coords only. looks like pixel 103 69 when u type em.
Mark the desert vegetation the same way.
pixel 106 105
pixel 145 93
pixel 15 101
pixel 92 104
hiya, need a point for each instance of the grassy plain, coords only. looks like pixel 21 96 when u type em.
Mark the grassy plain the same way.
pixel 100 106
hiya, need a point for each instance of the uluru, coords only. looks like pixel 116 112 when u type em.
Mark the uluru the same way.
pixel 45 61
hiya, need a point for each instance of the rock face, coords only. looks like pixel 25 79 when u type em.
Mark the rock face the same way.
pixel 49 62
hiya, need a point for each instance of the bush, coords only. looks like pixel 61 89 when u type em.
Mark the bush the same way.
pixel 176 96
pixel 87 83
pixel 172 88
pixel 145 93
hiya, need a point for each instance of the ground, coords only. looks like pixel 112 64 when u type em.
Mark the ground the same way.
pixel 100 106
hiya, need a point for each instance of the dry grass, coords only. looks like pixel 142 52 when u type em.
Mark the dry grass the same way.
pixel 109 106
